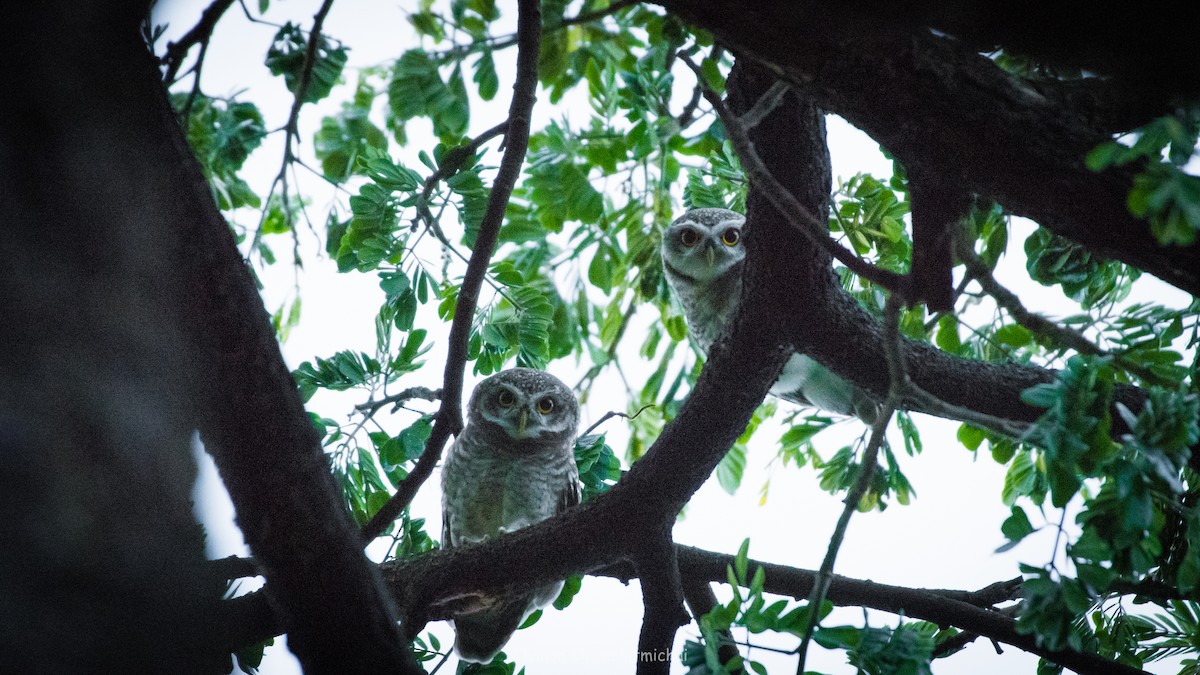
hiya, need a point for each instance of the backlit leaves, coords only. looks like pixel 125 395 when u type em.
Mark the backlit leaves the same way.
pixel 288 57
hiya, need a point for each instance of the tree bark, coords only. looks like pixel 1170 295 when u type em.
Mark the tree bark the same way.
pixel 131 320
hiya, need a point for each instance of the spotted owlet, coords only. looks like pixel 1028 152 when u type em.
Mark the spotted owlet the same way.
pixel 512 466
pixel 703 258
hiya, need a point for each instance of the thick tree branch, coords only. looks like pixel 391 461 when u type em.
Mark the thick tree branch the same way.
pixel 1150 49
pixel 815 229
pixel 996 135
pixel 914 603
pixel 836 331
pixel 967 610
pixel 253 423
pixel 102 564
pixel 701 600
pixel 662 600
pixel 134 212
pixel 449 417
pixel 937 209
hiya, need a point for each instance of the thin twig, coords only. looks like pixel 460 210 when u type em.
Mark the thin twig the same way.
pixel 449 416
pixel 1063 336
pixel 866 471
pixel 292 127
pixel 687 116
pixel 199 34
pixel 450 164
pixel 504 42
pixel 799 217
pixel 611 414
pixel 611 352
pixel 424 393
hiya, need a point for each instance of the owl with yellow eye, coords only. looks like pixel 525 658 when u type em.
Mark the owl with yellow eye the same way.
pixel 512 466
pixel 703 258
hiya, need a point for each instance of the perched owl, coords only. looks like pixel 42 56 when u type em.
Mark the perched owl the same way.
pixel 512 466
pixel 703 258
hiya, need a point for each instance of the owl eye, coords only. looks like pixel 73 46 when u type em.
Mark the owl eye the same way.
pixel 689 237
pixel 545 405
pixel 506 398
pixel 731 236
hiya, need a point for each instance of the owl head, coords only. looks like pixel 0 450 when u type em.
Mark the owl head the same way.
pixel 703 244
pixel 525 404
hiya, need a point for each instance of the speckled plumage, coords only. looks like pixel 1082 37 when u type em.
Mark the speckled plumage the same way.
pixel 703 258
pixel 503 473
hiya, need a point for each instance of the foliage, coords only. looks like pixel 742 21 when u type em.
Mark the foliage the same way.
pixel 1163 192
pixel 616 151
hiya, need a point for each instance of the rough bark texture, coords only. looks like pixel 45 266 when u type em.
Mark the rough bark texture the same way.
pixel 100 567
pixel 131 321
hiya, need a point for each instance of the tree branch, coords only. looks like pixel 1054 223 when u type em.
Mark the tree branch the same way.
pixel 176 51
pixel 398 399
pixel 326 594
pixel 449 417
pixel 866 472
pixel 291 127
pixel 913 603
pixel 701 600
pixel 937 209
pixel 1063 336
pixel 815 229
pixel 662 600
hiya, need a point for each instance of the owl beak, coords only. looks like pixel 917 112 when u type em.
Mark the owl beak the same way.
pixel 710 254
pixel 522 420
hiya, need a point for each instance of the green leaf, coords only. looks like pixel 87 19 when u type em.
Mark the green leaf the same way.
pixel 1016 527
pixel 485 76
pixel 288 56
pixel 731 468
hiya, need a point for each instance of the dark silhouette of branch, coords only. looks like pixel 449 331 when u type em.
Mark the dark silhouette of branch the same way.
pixel 996 135
pixel 701 600
pixel 611 414
pixel 937 210
pixel 1063 336
pixel 200 34
pixel 399 398
pixel 1145 51
pixel 866 472
pixel 921 604
pixel 135 213
pixel 449 417
pixel 291 128
pixel 451 162
pixel 971 611
pixel 662 600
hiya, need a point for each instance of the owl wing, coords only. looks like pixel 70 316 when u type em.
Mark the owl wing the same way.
pixel 806 382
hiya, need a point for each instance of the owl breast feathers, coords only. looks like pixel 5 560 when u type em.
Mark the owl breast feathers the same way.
pixel 703 258
pixel 512 466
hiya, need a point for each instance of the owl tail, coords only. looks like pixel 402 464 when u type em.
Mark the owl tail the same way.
pixel 481 635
